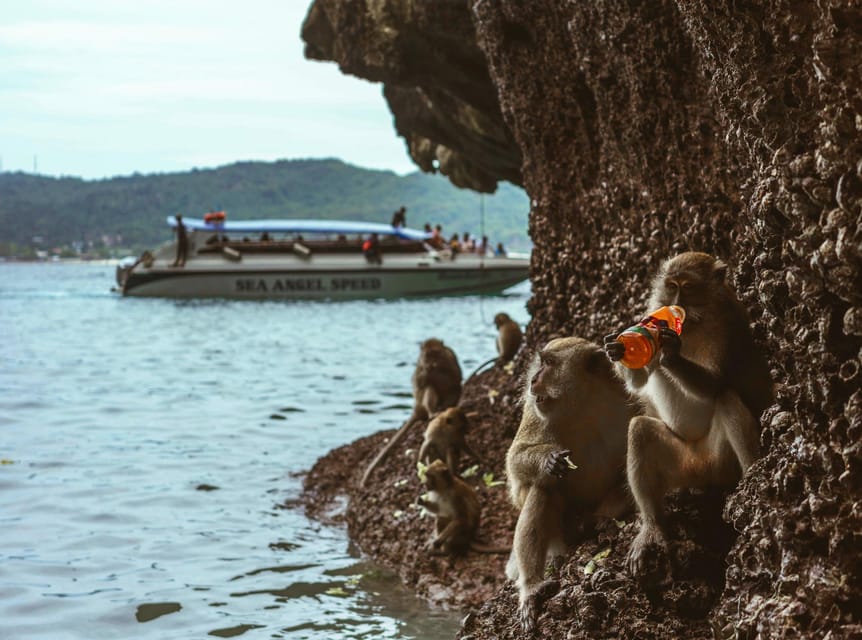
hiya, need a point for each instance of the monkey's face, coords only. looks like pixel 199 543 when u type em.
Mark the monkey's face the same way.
pixel 437 476
pixel 500 319
pixel 452 420
pixel 689 280
pixel 557 371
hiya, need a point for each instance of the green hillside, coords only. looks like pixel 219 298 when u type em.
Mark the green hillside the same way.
pixel 71 211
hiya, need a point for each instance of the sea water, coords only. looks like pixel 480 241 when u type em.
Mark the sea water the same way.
pixel 150 452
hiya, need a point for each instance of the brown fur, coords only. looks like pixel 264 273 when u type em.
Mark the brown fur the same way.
pixel 436 386
pixel 704 394
pixel 575 406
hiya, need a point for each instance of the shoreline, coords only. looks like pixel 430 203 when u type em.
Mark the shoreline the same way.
pixel 383 521
pixel 589 595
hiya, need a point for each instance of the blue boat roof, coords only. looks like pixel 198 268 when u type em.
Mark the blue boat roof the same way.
pixel 301 226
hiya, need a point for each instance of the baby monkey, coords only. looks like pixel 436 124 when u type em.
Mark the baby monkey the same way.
pixel 704 393
pixel 568 457
pixel 445 438
pixel 456 507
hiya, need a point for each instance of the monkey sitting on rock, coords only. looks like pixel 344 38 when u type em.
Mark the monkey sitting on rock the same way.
pixel 508 341
pixel 509 337
pixel 568 456
pixel 436 386
pixel 445 438
pixel 704 392
pixel 456 507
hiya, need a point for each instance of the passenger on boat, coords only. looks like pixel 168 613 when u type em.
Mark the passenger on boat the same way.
pixel 483 248
pixel 454 244
pixel 371 249
pixel 500 250
pixel 182 243
pixel 436 239
pixel 399 218
pixel 468 243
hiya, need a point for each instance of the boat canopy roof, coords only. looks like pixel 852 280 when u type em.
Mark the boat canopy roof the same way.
pixel 301 226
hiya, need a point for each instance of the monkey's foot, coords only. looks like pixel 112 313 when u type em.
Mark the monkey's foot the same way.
pixel 528 612
pixel 648 559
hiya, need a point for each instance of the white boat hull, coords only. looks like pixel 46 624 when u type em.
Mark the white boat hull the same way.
pixel 326 278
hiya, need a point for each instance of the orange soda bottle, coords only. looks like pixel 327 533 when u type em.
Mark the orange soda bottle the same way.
pixel 642 340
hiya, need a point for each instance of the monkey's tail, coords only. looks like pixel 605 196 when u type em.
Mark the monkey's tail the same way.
pixel 481 366
pixel 479 547
pixel 388 447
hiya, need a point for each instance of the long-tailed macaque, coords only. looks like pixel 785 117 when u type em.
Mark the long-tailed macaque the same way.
pixel 508 341
pixel 704 394
pixel 436 386
pixel 445 438
pixel 575 411
pixel 456 507
pixel 509 337
pixel 457 511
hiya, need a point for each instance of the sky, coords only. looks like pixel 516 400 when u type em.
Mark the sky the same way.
pixel 100 88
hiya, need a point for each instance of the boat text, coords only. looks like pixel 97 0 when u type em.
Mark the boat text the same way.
pixel 259 285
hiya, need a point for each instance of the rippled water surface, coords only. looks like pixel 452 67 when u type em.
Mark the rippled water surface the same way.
pixel 149 448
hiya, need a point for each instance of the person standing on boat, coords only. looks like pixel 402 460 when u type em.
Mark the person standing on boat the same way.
pixel 182 243
pixel 371 249
pixel 399 218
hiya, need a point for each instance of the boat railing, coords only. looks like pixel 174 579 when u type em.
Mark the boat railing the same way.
pixel 305 248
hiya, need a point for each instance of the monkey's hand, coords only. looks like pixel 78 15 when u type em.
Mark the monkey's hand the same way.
pixel 556 465
pixel 427 504
pixel 614 349
pixel 670 345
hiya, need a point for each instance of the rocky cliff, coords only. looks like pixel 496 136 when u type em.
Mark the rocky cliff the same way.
pixel 641 129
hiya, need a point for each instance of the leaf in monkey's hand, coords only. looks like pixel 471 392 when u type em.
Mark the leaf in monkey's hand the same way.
pixel 421 469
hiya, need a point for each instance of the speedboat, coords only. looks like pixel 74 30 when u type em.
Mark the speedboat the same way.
pixel 312 259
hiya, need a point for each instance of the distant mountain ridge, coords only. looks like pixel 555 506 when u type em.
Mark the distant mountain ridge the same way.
pixel 66 210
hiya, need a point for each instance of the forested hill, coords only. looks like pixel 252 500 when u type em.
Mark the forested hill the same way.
pixel 62 211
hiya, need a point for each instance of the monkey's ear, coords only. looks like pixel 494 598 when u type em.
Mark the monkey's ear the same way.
pixel 719 270
pixel 597 362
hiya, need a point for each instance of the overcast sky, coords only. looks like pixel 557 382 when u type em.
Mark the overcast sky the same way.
pixel 98 88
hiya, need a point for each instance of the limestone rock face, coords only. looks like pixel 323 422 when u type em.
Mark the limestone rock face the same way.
pixel 640 130
pixel 435 80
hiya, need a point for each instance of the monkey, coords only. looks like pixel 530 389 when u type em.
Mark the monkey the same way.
pixel 436 386
pixel 456 507
pixel 574 410
pixel 509 337
pixel 703 392
pixel 445 439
